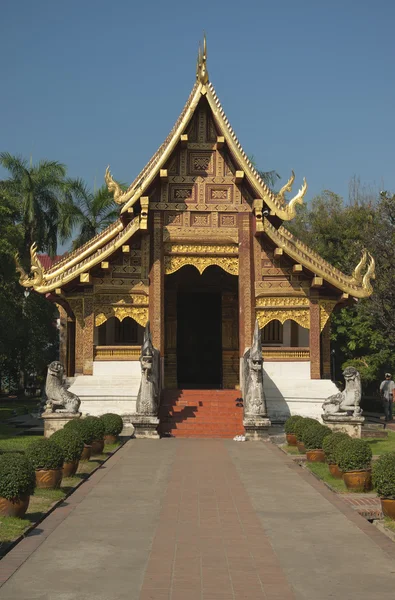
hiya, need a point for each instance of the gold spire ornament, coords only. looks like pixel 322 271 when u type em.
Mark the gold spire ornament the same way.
pixel 201 69
pixel 120 197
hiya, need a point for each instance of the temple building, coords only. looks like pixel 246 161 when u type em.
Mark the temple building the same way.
pixel 199 250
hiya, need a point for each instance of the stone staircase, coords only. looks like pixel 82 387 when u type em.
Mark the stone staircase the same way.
pixel 201 413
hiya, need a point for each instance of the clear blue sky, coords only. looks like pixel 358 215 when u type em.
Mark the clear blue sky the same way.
pixel 306 84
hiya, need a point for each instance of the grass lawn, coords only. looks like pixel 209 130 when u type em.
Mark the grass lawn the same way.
pixel 12 407
pixel 381 446
pixel 322 471
pixel 16 443
pixel 291 450
pixel 389 523
pixel 40 503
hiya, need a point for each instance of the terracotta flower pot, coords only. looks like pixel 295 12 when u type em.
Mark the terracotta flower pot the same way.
pixel 317 455
pixel 86 453
pixel 48 478
pixel 291 439
pixel 97 447
pixel 110 439
pixel 301 447
pixel 359 481
pixel 70 468
pixel 388 507
pixel 16 507
pixel 335 471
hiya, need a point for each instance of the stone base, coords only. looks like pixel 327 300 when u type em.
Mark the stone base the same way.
pixel 345 424
pixel 53 421
pixel 256 428
pixel 145 426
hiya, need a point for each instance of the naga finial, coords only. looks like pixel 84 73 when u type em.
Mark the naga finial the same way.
pixel 357 273
pixel 370 274
pixel 114 187
pixel 298 199
pixel 36 275
pixel 286 188
pixel 201 69
pixel 290 208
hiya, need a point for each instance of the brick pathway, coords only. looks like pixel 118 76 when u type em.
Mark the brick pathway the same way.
pixel 367 505
pixel 201 519
pixel 210 543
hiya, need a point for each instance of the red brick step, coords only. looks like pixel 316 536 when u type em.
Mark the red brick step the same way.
pixel 201 413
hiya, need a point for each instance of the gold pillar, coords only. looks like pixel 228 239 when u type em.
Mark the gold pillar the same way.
pixel 246 283
pixel 62 335
pixel 315 341
pixel 156 285
pixel 326 350
pixel 88 332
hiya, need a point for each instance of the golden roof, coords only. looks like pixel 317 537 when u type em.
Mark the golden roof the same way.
pixel 275 202
pixel 113 237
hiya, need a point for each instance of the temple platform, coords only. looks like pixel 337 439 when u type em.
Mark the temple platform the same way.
pixel 113 387
pixel 290 391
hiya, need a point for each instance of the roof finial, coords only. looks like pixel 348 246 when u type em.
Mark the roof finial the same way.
pixel 201 69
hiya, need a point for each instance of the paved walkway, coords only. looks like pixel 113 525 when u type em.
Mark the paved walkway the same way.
pixel 201 520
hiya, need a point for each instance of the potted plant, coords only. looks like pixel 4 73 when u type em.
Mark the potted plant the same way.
pixel 312 437
pixel 80 428
pixel 353 457
pixel 289 428
pixel 47 459
pixel 329 446
pixel 17 483
pixel 72 446
pixel 113 426
pixel 384 482
pixel 299 427
pixel 97 428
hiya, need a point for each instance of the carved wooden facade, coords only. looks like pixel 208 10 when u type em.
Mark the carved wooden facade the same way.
pixel 198 203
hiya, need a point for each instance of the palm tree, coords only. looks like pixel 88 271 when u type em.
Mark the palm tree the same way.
pixel 269 177
pixel 38 191
pixel 87 212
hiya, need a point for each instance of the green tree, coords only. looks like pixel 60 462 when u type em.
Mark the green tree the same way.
pixel 363 334
pixel 37 192
pixel 87 212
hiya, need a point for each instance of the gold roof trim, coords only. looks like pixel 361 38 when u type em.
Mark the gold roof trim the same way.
pixel 46 281
pixel 356 285
pixel 202 87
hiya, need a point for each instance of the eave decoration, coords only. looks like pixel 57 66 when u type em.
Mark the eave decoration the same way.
pixel 357 285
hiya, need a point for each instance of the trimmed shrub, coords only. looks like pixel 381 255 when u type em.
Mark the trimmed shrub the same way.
pixel 45 454
pixel 303 424
pixel 313 436
pixel 330 444
pixel 113 424
pixel 82 429
pixel 383 475
pixel 17 476
pixel 289 425
pixel 97 427
pixel 353 455
pixel 70 442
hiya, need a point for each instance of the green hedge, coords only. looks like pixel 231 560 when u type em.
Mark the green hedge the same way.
pixel 70 442
pixel 82 429
pixel 45 454
pixel 330 444
pixel 113 424
pixel 289 425
pixel 383 475
pixel 97 427
pixel 17 476
pixel 353 455
pixel 303 424
pixel 313 436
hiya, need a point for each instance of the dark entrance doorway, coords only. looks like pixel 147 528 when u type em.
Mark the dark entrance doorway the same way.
pixel 199 342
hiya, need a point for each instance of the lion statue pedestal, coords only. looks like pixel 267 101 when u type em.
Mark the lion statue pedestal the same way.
pixel 62 406
pixel 342 411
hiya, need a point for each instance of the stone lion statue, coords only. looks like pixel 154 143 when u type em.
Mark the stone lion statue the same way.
pixel 349 399
pixel 59 399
